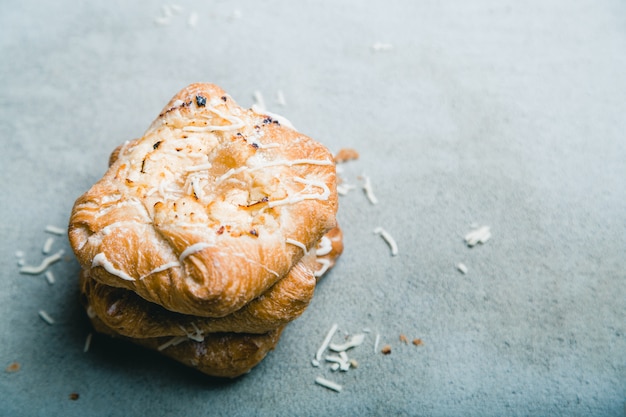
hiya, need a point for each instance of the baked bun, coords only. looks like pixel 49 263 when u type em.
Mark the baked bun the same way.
pixel 219 354
pixel 130 315
pixel 208 210
pixel 127 314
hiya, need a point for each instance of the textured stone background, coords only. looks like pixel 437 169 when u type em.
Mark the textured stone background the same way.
pixel 503 113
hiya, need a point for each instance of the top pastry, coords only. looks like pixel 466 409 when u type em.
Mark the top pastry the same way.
pixel 213 205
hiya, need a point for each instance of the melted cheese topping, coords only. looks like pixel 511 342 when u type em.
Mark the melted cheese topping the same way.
pixel 296 243
pixel 301 197
pixel 101 260
pixel 162 268
pixel 325 265
pixel 324 246
pixel 196 247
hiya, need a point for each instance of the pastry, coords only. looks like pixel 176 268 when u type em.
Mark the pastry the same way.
pixel 129 315
pixel 219 354
pixel 208 210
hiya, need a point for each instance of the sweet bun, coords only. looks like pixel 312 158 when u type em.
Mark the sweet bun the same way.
pixel 208 210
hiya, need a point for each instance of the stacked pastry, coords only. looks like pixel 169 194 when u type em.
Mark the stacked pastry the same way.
pixel 207 235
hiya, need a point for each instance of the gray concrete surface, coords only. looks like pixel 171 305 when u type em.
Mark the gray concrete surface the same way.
pixel 503 113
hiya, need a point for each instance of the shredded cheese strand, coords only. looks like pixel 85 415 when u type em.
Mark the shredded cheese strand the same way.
pixel 161 268
pixel 101 260
pixel 301 197
pixel 324 345
pixel 389 239
pixel 87 343
pixel 354 341
pixel 46 317
pixel 190 250
pixel 36 270
pixel 480 235
pixel 325 265
pixel 369 193
pixel 236 123
pixel 47 246
pixel 281 162
pixel 176 340
pixel 328 384
pixel 324 246
pixel 55 230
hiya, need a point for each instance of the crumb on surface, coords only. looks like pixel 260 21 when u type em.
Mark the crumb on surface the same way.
pixel 386 350
pixel 403 339
pixel 13 367
pixel 418 342
pixel 346 154
pixel 74 396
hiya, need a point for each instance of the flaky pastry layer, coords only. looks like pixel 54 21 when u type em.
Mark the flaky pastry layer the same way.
pixel 226 355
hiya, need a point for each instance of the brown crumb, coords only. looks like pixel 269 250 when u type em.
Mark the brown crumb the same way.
pixel 403 339
pixel 346 154
pixel 14 367
pixel 74 396
pixel 418 342
pixel 386 350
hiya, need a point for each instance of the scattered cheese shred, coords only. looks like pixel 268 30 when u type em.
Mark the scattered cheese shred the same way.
pixel 389 239
pixel 259 101
pixel 87 343
pixel 36 270
pixel 328 384
pixel 462 268
pixel 343 189
pixel 49 277
pixel 46 317
pixel 476 236
pixel 172 342
pixel 367 187
pixel 280 98
pixel 376 342
pixel 381 46
pixel 193 19
pixel 55 230
pixel 354 341
pixel 47 246
pixel 324 345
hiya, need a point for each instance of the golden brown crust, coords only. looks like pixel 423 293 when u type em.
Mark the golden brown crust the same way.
pixel 226 355
pixel 129 315
pixel 196 215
